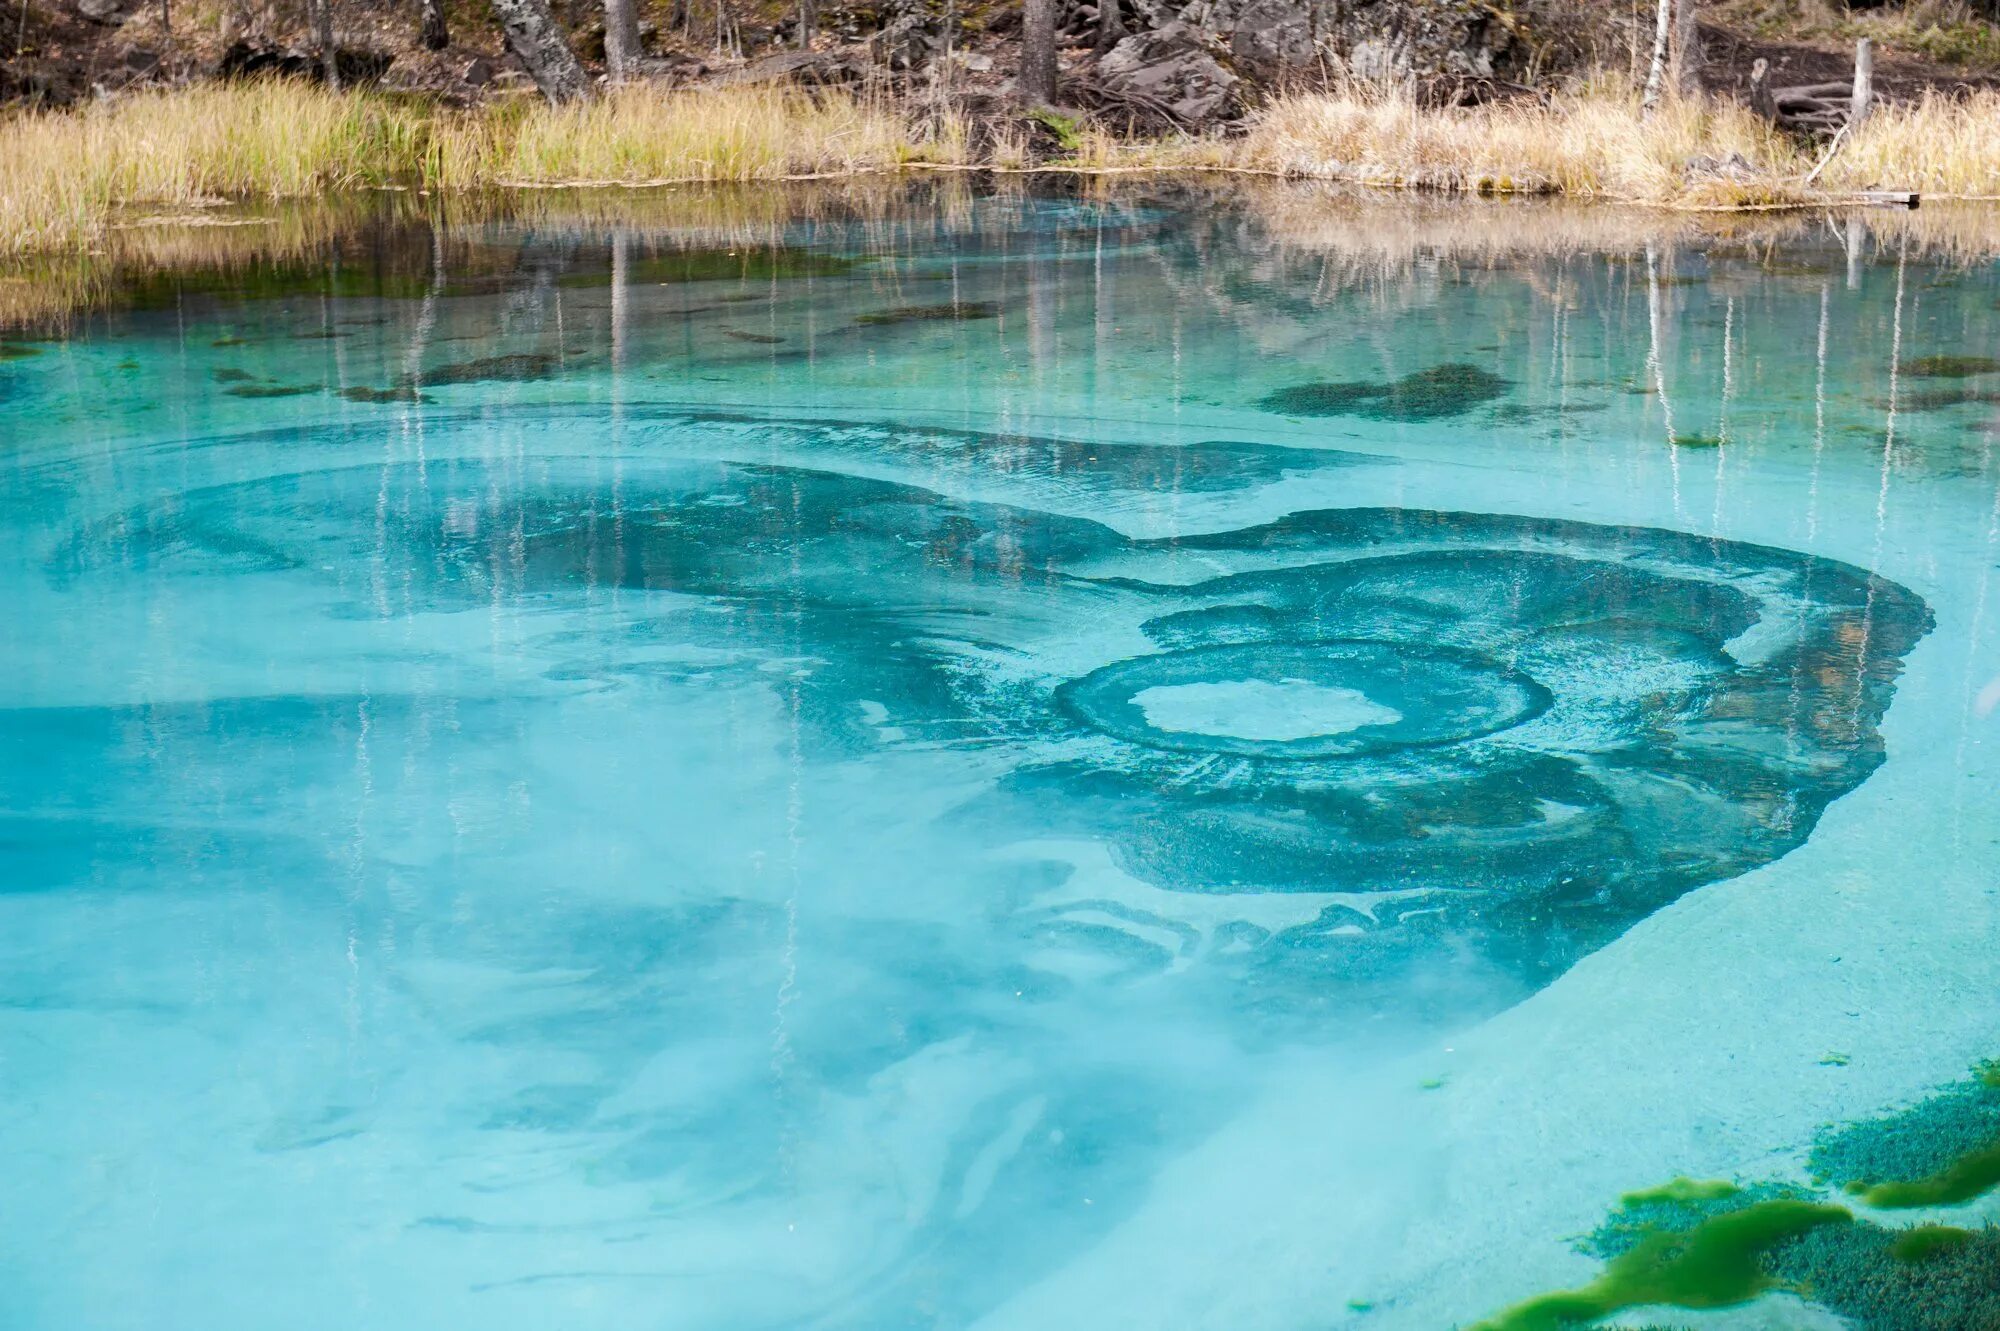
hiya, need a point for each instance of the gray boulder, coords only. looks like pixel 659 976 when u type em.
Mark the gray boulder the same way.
pixel 1176 70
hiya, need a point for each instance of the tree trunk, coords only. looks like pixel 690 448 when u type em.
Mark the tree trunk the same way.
pixel 621 39
pixel 1109 29
pixel 433 34
pixel 1656 73
pixel 1864 82
pixel 808 22
pixel 536 41
pixel 1687 48
pixel 329 55
pixel 1037 82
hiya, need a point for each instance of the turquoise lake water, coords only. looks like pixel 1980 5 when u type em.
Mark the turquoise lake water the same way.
pixel 1012 760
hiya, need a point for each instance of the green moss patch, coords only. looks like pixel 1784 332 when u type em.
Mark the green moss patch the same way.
pixel 1972 1175
pixel 1717 1263
pixel 1929 1242
pixel 1441 391
pixel 1682 1192
pixel 1941 1152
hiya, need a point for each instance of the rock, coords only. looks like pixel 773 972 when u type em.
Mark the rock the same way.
pixel 1177 70
pixel 789 67
pixel 1426 40
pixel 106 11
pixel 906 42
pixel 479 71
pixel 247 60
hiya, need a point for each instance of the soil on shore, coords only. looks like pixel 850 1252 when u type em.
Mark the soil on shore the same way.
pixel 67 51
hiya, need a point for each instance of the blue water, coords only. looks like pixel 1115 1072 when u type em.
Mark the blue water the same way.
pixel 992 760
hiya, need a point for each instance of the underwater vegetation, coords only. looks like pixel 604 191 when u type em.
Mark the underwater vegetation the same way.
pixel 1716 1260
pixel 1433 394
pixel 367 395
pixel 17 351
pixel 1949 367
pixel 970 309
pixel 519 366
pixel 744 263
pixel 1942 399
pixel 1712 1244
pixel 1367 700
pixel 271 390
pixel 1943 1151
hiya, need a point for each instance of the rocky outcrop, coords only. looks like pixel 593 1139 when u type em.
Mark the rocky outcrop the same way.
pixel 1176 71
pixel 1270 41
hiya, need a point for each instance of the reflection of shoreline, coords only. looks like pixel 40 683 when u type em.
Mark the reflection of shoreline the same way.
pixel 1366 234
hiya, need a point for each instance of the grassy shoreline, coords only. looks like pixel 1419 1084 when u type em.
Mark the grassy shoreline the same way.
pixel 75 176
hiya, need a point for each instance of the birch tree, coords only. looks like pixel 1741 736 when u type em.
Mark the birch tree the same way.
pixel 1656 73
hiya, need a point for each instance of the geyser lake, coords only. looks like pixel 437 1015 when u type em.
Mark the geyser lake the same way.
pixel 952 758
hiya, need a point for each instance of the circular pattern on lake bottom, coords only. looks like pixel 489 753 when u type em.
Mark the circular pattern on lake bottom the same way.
pixel 1366 697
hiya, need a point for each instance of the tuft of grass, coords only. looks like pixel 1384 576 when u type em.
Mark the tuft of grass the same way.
pixel 1593 143
pixel 644 135
pixel 70 172
pixel 1940 144
pixel 74 178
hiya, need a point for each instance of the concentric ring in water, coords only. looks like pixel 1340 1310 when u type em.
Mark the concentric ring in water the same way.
pixel 1304 700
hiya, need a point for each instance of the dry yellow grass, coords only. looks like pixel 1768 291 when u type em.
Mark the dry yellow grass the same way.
pixel 71 176
pixel 1593 144
pixel 1940 145
pixel 642 135
pixel 68 172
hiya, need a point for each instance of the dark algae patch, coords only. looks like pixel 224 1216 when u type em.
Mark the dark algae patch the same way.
pixel 1696 439
pixel 1433 394
pixel 230 375
pixel 17 351
pixel 272 390
pixel 900 314
pixel 376 396
pixel 485 369
pixel 1949 367
pixel 1943 399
